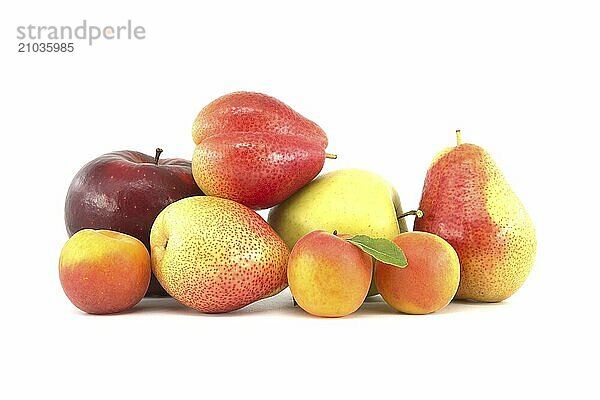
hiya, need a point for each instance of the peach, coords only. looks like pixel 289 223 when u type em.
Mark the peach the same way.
pixel 430 280
pixel 104 272
pixel 328 276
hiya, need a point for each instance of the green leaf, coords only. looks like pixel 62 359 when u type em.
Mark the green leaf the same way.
pixel 381 249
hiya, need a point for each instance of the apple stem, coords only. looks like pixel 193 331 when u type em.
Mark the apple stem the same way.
pixel 331 156
pixel 458 139
pixel 416 213
pixel 157 155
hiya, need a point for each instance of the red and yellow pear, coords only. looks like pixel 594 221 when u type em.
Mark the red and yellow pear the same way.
pixel 467 201
pixel 216 255
pixel 254 149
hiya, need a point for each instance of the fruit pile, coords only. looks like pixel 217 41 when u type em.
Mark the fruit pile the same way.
pixel 146 226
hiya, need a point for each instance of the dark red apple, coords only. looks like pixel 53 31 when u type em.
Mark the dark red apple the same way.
pixel 124 191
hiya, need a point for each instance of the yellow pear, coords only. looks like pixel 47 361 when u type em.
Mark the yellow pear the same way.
pixel 216 255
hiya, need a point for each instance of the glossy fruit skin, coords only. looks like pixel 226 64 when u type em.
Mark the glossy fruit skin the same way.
pixel 104 272
pixel 254 149
pixel 216 255
pixel 233 166
pixel 429 281
pixel 467 201
pixel 328 276
pixel 124 191
pixel 253 112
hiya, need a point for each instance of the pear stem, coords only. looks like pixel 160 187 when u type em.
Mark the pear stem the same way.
pixel 417 213
pixel 157 155
pixel 458 139
pixel 331 156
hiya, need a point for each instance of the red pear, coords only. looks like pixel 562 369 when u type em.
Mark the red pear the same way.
pixel 254 149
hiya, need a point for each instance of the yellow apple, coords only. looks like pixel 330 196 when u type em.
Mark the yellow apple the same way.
pixel 352 201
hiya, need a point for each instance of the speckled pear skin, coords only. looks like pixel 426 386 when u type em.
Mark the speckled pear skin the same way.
pixel 467 201
pixel 253 112
pixel 216 255
pixel 254 149
pixel 256 169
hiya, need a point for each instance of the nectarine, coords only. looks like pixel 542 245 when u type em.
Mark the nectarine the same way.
pixel 104 272
pixel 328 276
pixel 430 280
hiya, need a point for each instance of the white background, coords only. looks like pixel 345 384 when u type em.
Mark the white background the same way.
pixel 389 82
